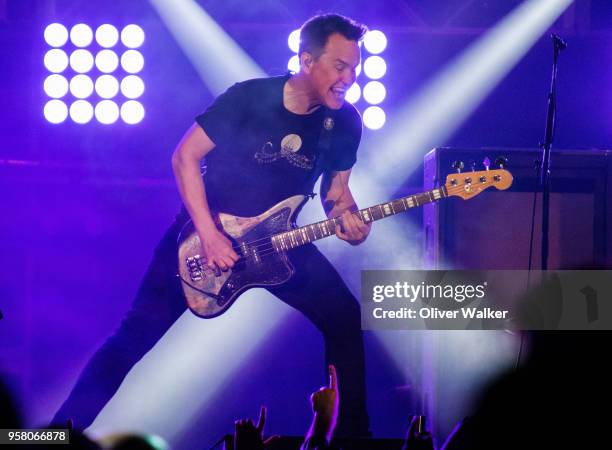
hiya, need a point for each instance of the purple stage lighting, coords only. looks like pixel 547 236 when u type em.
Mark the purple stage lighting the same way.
pixel 56 86
pixel 56 60
pixel 294 41
pixel 132 87
pixel 375 67
pixel 294 64
pixel 107 112
pixel 107 86
pixel 374 117
pixel 353 94
pixel 81 61
pixel 107 61
pixel 132 36
pixel 81 86
pixel 107 35
pixel 81 35
pixel 81 111
pixel 132 112
pixel 375 42
pixel 132 61
pixel 55 111
pixel 56 34
pixel 374 92
pixel 74 87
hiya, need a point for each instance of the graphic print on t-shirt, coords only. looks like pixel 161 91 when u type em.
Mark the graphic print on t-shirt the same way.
pixel 289 147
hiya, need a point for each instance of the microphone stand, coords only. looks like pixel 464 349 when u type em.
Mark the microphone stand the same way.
pixel 558 45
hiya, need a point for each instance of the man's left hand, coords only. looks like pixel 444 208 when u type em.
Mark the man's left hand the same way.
pixel 353 230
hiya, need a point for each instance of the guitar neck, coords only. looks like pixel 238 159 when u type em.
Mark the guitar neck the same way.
pixel 319 230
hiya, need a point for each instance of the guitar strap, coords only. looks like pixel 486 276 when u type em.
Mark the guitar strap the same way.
pixel 323 145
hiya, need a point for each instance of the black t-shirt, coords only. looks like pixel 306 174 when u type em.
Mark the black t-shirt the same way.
pixel 264 153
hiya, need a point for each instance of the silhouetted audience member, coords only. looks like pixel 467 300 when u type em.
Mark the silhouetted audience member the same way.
pixel 133 442
pixel 248 436
pixel 9 413
pixel 325 401
pixel 557 399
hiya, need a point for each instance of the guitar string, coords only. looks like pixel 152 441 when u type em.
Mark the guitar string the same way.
pixel 270 250
pixel 305 226
pixel 268 243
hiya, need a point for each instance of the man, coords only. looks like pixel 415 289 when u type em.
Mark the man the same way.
pixel 263 140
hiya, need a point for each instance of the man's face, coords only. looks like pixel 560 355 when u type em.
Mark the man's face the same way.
pixel 334 71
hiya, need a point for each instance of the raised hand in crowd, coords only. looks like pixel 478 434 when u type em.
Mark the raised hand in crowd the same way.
pixel 325 404
pixel 418 438
pixel 248 436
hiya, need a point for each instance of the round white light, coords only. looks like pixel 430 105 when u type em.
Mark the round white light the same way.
pixel 374 92
pixel 81 111
pixel 132 36
pixel 353 94
pixel 107 35
pixel 55 111
pixel 132 86
pixel 56 60
pixel 107 112
pixel 107 61
pixel 56 86
pixel 358 70
pixel 107 86
pixel 374 117
pixel 375 67
pixel 132 112
pixel 294 64
pixel 81 35
pixel 81 61
pixel 132 61
pixel 294 41
pixel 81 86
pixel 56 34
pixel 375 41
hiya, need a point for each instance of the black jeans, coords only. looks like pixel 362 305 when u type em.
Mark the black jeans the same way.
pixel 316 290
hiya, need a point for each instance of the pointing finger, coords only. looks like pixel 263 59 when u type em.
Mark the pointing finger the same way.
pixel 262 419
pixel 333 379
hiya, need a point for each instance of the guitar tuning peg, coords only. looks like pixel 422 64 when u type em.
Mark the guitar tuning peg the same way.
pixel 458 165
pixel 486 162
pixel 501 162
pixel 473 165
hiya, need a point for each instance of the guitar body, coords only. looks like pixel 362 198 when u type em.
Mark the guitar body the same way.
pixel 260 265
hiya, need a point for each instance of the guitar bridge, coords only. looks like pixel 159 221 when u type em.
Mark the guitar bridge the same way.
pixel 194 265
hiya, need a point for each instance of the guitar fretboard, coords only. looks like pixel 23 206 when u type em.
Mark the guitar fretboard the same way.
pixel 319 230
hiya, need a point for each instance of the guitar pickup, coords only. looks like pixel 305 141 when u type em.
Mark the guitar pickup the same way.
pixel 194 265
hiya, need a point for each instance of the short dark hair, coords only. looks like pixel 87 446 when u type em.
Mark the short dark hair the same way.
pixel 316 31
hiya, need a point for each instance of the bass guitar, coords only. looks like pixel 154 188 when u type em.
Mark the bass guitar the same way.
pixel 262 241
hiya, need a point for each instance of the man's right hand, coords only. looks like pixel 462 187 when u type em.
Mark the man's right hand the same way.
pixel 218 251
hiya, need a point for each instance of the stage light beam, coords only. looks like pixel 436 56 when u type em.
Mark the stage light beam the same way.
pixel 132 87
pixel 107 86
pixel 55 111
pixel 56 86
pixel 132 36
pixel 107 61
pixel 81 35
pixel 56 60
pixel 107 35
pixel 56 34
pixel 218 59
pixel 448 100
pixel 375 42
pixel 132 61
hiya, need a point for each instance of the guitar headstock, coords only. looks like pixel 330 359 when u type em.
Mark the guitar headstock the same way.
pixel 469 184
